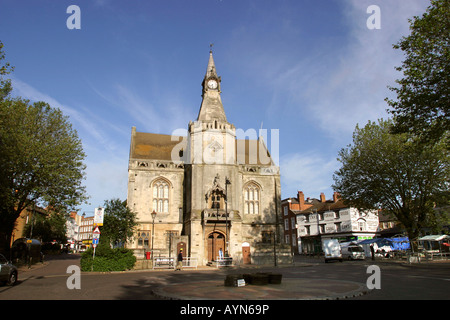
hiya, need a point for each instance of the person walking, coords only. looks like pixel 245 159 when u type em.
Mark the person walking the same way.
pixel 179 260
pixel 372 252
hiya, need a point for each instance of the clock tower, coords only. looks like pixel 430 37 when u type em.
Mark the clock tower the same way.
pixel 212 137
pixel 212 192
pixel 211 108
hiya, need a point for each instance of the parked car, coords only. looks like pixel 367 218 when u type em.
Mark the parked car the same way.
pixel 8 271
pixel 353 252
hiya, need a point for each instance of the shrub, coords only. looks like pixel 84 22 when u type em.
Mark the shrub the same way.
pixel 107 259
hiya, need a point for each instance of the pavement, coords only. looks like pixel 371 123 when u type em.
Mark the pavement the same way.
pixel 288 289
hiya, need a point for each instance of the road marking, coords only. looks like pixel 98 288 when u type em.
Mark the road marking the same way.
pixel 429 278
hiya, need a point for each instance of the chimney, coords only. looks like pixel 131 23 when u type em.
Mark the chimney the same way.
pixel 300 197
pixel 322 197
pixel 335 197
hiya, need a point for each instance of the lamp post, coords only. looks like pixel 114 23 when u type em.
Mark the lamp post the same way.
pixel 227 182
pixel 153 231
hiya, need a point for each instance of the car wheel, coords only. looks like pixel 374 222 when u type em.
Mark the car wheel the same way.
pixel 12 279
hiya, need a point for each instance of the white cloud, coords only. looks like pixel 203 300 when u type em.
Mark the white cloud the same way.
pixel 353 83
pixel 309 172
pixel 106 180
pixel 148 116
pixel 106 172
pixel 89 125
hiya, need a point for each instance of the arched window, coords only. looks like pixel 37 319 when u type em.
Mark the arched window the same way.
pixel 362 225
pixel 252 194
pixel 161 196
pixel 217 199
pixel 143 237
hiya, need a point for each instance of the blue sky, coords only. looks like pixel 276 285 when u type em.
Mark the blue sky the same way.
pixel 312 69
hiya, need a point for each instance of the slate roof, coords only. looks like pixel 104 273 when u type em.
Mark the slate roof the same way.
pixel 153 146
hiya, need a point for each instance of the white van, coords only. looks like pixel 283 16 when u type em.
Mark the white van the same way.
pixel 331 249
pixel 353 252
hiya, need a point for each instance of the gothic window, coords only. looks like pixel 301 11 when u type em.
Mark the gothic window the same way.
pixel 217 200
pixel 251 199
pixel 161 196
pixel 143 238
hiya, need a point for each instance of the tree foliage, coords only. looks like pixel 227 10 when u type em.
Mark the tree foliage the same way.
pixel 381 170
pixel 119 222
pixel 5 84
pixel 41 160
pixel 47 228
pixel 422 107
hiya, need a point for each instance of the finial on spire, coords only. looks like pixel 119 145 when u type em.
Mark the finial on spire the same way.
pixel 210 47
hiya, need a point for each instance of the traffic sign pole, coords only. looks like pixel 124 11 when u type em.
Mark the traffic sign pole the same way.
pixel 95 239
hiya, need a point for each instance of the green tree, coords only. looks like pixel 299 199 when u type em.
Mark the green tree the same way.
pixel 47 228
pixel 41 161
pixel 5 84
pixel 422 107
pixel 119 222
pixel 381 170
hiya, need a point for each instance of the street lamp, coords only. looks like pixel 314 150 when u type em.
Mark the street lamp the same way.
pixel 153 229
pixel 227 182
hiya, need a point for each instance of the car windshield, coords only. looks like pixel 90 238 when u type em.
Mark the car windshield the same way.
pixel 355 249
pixel 3 260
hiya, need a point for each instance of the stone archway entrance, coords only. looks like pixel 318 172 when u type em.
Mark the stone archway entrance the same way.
pixel 216 241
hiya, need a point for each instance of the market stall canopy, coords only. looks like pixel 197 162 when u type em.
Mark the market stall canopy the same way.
pixel 438 237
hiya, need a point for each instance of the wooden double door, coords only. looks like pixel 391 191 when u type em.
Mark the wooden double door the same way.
pixel 216 242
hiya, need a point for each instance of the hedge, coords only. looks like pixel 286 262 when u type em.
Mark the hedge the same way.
pixel 107 259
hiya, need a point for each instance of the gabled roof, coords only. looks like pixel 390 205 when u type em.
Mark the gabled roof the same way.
pixel 319 206
pixel 153 146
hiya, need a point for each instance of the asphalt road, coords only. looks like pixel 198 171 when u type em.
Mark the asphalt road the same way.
pixel 397 281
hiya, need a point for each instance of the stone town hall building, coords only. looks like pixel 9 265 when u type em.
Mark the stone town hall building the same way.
pixel 210 190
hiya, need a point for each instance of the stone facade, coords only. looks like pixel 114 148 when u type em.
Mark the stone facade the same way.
pixel 213 193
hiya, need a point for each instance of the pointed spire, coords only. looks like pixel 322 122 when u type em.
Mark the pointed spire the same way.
pixel 211 108
pixel 211 69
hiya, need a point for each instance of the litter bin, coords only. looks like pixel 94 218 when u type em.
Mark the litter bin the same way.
pixel 148 255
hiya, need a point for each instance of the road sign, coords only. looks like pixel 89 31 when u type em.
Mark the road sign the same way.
pixel 95 241
pixel 98 216
pixel 96 230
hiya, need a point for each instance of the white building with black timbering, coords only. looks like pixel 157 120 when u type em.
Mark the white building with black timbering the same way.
pixel 318 219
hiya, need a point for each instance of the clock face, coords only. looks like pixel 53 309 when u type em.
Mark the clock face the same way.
pixel 212 84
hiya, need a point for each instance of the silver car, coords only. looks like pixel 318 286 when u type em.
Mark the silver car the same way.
pixel 8 271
